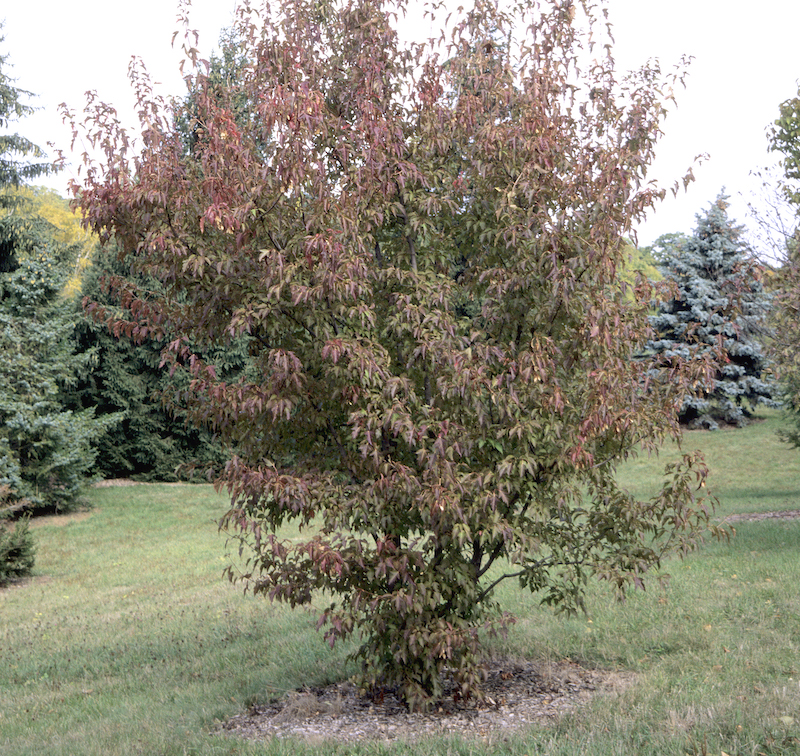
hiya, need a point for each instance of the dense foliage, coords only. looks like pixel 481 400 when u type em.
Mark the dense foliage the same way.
pixel 424 248
pixel 718 307
pixel 45 209
pixel 785 138
pixel 154 440
pixel 17 549
pixel 46 451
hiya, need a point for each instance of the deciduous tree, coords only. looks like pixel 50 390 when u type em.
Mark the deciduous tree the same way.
pixel 785 138
pixel 424 245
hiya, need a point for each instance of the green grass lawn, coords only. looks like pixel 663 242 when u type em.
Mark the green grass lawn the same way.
pixel 128 641
pixel 750 470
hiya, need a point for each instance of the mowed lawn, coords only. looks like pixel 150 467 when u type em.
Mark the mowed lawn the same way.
pixel 128 641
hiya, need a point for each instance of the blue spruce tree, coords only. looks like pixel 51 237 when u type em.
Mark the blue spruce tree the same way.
pixel 720 309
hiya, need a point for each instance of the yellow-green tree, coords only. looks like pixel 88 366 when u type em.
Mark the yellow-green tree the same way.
pixel 40 206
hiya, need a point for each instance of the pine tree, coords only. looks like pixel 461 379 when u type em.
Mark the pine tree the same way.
pixel 719 309
pixel 15 149
pixel 16 166
pixel 155 440
pixel 46 450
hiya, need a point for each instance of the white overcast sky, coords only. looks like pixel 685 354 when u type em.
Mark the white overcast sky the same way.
pixel 746 62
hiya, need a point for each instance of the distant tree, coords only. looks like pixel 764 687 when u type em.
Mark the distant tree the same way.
pixel 46 452
pixel 44 207
pixel 40 204
pixel 155 440
pixel 640 262
pixel 663 248
pixel 424 252
pixel 16 151
pixel 20 161
pixel 785 139
pixel 719 307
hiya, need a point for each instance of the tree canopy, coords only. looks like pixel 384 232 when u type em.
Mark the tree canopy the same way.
pixel 423 245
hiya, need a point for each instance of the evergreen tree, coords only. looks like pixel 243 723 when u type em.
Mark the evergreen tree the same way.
pixel 16 150
pixel 46 451
pixel 16 166
pixel 719 309
pixel 155 440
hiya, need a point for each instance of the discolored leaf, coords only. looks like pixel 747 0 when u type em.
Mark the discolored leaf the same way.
pixel 444 369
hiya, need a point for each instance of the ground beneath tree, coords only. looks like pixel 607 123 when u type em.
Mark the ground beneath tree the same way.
pixel 518 694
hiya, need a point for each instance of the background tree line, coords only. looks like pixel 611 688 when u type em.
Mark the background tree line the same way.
pixel 77 404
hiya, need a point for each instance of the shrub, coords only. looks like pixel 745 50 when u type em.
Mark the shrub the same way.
pixel 424 252
pixel 17 552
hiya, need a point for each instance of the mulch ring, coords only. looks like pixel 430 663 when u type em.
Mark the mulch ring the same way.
pixel 518 694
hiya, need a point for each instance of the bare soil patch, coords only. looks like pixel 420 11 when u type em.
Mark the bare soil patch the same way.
pixel 59 520
pixel 786 514
pixel 117 482
pixel 518 694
